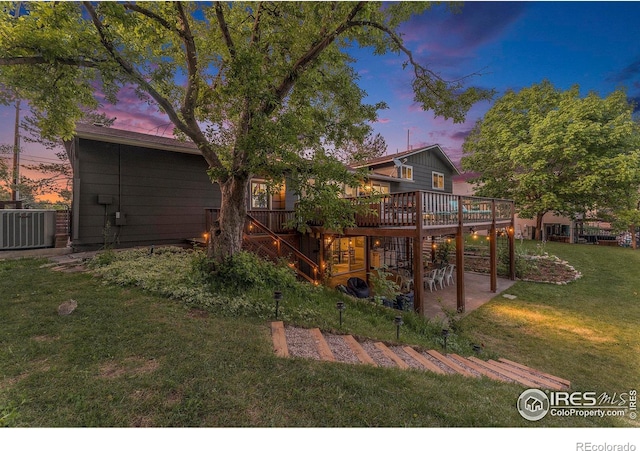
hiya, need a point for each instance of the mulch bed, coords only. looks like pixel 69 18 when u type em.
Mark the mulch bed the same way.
pixel 543 268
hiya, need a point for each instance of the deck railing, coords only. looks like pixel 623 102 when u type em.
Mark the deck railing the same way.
pixel 400 210
pixel 437 209
pixel 270 242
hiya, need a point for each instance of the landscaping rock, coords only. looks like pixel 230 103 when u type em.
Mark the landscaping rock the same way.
pixel 66 308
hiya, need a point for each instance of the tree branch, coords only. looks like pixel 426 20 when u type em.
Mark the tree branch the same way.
pixel 255 32
pixel 301 64
pixel 151 15
pixel 38 59
pixel 191 94
pixel 194 133
pixel 418 69
pixel 225 30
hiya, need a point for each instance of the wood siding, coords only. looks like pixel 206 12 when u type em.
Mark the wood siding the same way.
pixel 424 164
pixel 161 194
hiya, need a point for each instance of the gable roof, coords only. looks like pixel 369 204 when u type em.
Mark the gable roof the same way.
pixel 119 136
pixel 407 153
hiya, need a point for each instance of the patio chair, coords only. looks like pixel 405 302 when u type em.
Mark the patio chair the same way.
pixel 448 275
pixel 439 277
pixel 430 280
pixel 406 280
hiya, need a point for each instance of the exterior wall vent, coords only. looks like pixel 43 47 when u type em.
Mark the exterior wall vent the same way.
pixel 27 229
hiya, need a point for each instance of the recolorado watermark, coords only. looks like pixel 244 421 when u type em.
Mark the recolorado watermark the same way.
pixel 588 446
pixel 534 404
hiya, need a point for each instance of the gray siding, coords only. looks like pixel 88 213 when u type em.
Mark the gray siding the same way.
pixel 163 194
pixel 424 163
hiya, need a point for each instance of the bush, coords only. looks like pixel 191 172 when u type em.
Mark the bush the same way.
pixel 245 270
pixel 524 265
pixel 241 286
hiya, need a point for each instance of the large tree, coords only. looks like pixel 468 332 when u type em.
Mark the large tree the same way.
pixel 260 88
pixel 555 151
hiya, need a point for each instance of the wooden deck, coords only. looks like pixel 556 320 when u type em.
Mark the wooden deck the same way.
pixel 416 215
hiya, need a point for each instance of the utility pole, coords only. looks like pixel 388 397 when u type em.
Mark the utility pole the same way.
pixel 15 194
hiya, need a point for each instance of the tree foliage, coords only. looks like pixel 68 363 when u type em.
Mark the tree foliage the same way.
pixel 555 151
pixel 258 87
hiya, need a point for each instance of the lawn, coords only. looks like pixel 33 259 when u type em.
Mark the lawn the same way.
pixel 131 356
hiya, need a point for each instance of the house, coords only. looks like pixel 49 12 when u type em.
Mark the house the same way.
pixel 426 168
pixel 134 189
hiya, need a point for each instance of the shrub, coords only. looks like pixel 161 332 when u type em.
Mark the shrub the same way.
pixel 245 270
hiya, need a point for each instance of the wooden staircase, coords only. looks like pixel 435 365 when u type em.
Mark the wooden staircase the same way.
pixel 313 343
pixel 272 246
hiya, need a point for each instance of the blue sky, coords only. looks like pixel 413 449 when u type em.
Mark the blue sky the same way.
pixel 510 45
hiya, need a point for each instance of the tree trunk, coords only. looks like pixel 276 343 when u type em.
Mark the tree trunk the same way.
pixel 539 217
pixel 227 230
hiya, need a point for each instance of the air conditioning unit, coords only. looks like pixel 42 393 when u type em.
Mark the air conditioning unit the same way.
pixel 27 229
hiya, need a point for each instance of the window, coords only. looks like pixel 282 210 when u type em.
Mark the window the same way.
pixel 259 194
pixel 437 180
pixel 406 172
pixel 266 195
pixel 278 197
pixel 380 188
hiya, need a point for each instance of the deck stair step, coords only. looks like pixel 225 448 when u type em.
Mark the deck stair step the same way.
pixel 428 364
pixel 322 345
pixel 359 351
pixel 505 372
pixel 391 355
pixel 502 370
pixel 279 339
pixel 564 382
pixel 449 363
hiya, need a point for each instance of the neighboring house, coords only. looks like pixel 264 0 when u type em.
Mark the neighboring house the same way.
pixel 134 189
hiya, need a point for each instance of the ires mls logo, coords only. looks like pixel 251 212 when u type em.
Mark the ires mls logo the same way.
pixel 533 404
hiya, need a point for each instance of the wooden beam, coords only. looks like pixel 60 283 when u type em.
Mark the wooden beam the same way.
pixel 460 297
pixel 381 232
pixel 279 339
pixel 321 345
pixel 511 234
pixel 418 267
pixel 493 254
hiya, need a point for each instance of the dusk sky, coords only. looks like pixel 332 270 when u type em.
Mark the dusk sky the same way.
pixel 511 45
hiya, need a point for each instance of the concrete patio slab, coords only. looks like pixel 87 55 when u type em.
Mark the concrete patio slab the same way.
pixel 477 292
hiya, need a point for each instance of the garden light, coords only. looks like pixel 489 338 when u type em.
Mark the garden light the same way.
pixel 398 322
pixel 277 295
pixel 340 306
pixel 445 334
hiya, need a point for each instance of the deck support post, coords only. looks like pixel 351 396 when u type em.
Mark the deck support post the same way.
pixel 418 267
pixel 493 260
pixel 460 297
pixel 511 234
pixel 321 260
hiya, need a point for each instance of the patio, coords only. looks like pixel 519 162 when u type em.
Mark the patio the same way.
pixel 477 293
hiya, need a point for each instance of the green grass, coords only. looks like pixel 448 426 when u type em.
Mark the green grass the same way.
pixel 132 357
pixel 586 331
